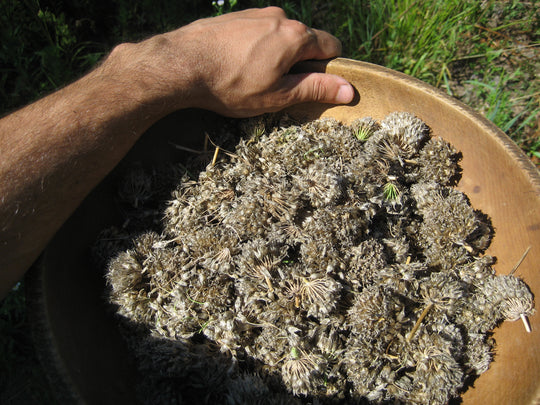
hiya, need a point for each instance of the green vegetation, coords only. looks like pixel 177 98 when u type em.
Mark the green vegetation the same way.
pixel 482 52
pixel 390 192
pixel 485 53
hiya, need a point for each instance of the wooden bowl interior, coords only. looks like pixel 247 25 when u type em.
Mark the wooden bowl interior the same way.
pixel 79 337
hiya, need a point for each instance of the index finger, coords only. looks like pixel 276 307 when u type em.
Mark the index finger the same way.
pixel 314 43
pixel 322 46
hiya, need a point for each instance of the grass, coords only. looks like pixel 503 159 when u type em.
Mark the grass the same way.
pixel 483 52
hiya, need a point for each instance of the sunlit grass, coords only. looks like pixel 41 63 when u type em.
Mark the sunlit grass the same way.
pixel 472 50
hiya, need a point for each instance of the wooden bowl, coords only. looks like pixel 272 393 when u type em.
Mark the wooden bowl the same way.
pixel 78 338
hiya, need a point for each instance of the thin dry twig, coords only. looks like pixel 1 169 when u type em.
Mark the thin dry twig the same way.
pixel 419 321
pixel 214 159
pixel 520 260
pixel 523 317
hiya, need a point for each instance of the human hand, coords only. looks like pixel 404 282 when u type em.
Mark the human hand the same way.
pixel 237 64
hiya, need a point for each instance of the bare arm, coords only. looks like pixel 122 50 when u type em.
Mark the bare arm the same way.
pixel 56 150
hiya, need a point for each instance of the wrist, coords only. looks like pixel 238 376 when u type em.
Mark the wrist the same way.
pixel 155 76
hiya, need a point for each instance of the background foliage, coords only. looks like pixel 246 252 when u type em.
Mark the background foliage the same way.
pixel 483 52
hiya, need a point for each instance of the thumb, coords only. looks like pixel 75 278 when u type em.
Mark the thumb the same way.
pixel 319 87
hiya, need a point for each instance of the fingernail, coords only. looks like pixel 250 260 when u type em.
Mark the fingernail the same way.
pixel 345 94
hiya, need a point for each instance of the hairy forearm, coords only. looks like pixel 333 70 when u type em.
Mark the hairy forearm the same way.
pixel 56 150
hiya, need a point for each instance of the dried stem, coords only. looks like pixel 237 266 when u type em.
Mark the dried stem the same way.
pixel 520 260
pixel 419 321
pixel 526 323
pixel 215 155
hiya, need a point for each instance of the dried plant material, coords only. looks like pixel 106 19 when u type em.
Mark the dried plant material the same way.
pixel 363 128
pixel 318 263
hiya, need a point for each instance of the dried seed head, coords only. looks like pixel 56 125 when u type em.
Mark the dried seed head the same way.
pixel 438 162
pixel 407 128
pixel 302 372
pixel 320 295
pixel 363 128
pixel 136 187
pixel 514 308
pixel 443 291
pixel 322 185
pixel 511 297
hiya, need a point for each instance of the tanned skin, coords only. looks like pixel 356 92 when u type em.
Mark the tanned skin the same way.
pixel 53 152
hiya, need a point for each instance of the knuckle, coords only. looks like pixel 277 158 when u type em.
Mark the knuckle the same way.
pixel 275 10
pixel 282 99
pixel 300 34
pixel 298 28
pixel 159 41
pixel 121 55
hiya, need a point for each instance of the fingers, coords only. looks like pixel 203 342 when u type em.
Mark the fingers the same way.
pixel 310 43
pixel 319 87
pixel 319 45
pixel 326 46
pixel 243 59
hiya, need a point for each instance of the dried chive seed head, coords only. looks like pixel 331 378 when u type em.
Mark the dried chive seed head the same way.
pixel 320 295
pixel 442 291
pixel 363 128
pixel 437 161
pixel 136 187
pixel 321 184
pixel 510 295
pixel 366 260
pixel 406 127
pixel 302 372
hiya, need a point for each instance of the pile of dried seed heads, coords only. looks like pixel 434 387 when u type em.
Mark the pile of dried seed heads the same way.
pixel 318 262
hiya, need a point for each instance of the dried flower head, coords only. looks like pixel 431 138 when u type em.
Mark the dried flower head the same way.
pixel 302 372
pixel 511 297
pixel 363 128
